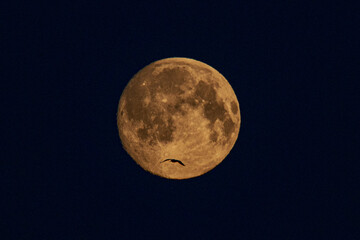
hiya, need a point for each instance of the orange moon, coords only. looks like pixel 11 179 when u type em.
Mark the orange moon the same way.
pixel 178 118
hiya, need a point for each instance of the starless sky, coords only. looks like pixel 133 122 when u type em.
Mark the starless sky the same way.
pixel 289 175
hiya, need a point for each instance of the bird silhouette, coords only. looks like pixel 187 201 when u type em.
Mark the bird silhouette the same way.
pixel 173 161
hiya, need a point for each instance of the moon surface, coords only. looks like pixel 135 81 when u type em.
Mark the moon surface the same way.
pixel 178 118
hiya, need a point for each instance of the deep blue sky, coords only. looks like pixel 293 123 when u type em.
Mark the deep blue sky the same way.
pixel 290 174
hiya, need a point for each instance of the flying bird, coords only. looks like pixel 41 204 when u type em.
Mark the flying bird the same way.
pixel 173 161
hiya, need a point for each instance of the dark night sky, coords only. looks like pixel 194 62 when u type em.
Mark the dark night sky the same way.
pixel 290 175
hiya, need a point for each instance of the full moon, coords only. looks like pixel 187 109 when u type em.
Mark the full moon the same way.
pixel 178 118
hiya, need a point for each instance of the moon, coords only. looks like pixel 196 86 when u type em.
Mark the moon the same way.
pixel 178 118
